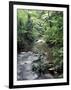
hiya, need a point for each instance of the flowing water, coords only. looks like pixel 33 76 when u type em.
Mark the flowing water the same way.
pixel 24 66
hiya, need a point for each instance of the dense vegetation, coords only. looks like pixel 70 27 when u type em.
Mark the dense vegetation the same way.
pixel 47 26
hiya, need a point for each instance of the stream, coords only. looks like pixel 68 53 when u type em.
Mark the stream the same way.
pixel 24 67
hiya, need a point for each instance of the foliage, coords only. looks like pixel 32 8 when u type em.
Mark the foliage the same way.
pixel 33 25
pixel 54 39
pixel 24 30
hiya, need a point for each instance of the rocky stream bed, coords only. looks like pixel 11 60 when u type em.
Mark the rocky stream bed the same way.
pixel 24 67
